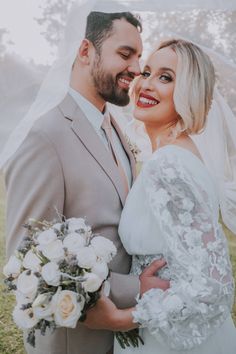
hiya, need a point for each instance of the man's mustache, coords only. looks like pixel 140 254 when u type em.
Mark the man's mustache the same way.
pixel 126 74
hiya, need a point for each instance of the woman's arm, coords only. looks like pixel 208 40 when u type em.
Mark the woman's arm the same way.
pixel 201 289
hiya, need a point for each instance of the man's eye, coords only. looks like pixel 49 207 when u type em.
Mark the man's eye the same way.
pixel 124 55
pixel 165 78
pixel 145 73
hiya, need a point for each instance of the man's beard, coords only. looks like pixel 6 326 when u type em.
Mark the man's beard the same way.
pixel 107 86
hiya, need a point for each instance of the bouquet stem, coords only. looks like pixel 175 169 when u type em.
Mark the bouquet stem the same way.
pixel 130 338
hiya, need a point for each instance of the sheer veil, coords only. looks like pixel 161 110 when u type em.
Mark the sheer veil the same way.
pixel 217 143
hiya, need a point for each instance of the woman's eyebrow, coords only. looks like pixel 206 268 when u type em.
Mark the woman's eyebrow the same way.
pixel 166 69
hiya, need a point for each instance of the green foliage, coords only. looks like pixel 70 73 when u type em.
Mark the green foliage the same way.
pixel 232 248
pixel 10 337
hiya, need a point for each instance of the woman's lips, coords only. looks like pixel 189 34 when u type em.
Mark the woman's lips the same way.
pixel 146 101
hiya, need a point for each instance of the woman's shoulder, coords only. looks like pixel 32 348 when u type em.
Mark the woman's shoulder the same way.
pixel 172 162
pixel 177 170
pixel 174 155
pixel 172 151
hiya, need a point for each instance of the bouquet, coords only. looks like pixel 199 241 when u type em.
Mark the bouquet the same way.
pixel 57 274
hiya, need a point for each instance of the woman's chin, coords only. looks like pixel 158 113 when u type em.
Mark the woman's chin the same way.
pixel 140 116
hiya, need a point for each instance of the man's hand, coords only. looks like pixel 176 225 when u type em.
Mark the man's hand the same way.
pixel 148 279
pixel 102 315
pixel 105 315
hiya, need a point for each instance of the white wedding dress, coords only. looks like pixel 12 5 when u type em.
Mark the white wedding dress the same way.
pixel 172 210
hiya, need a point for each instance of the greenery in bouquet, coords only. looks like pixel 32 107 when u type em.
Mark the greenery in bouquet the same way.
pixel 57 274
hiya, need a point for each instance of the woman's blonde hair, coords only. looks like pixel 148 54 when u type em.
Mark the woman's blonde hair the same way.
pixel 195 80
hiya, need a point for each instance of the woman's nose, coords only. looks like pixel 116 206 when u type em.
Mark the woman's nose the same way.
pixel 147 83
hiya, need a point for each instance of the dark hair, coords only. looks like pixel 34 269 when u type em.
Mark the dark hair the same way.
pixel 100 25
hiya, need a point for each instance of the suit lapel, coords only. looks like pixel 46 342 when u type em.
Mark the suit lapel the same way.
pixel 89 138
pixel 126 148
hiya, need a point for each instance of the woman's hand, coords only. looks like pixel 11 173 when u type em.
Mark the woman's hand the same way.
pixel 150 280
pixel 105 315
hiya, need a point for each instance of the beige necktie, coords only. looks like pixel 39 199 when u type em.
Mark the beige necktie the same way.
pixel 106 126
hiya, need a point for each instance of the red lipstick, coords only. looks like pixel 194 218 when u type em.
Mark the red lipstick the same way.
pixel 146 101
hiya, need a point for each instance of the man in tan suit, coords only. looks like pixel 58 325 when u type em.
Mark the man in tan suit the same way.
pixel 65 164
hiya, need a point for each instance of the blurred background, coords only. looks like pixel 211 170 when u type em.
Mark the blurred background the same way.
pixel 29 35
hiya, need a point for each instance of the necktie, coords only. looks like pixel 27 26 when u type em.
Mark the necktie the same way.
pixel 106 126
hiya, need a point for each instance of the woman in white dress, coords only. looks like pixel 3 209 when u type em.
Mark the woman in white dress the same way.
pixel 172 211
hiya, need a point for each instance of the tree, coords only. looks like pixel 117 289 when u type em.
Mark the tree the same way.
pixel 4 41
pixel 53 19
pixel 214 29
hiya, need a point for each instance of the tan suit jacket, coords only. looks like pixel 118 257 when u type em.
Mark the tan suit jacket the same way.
pixel 63 165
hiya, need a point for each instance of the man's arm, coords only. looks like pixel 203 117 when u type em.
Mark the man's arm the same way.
pixel 124 289
pixel 35 186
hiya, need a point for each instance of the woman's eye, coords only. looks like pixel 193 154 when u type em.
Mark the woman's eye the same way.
pixel 145 73
pixel 165 78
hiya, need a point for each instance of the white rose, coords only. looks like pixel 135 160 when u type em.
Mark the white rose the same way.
pixel 24 319
pixel 51 273
pixel 13 267
pixel 76 224
pixel 57 226
pixel 67 308
pixel 86 257
pixel 20 298
pixel 43 307
pixel 32 261
pixel 100 269
pixel 73 242
pixel 54 251
pixel 92 282
pixel 104 248
pixel 46 237
pixel 27 284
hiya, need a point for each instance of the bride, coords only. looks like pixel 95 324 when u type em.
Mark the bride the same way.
pixel 172 212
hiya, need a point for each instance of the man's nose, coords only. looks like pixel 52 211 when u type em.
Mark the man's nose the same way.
pixel 135 68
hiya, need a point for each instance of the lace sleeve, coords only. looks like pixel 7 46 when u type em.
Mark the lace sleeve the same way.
pixel 201 292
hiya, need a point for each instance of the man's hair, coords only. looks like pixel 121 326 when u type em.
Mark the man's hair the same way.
pixel 100 25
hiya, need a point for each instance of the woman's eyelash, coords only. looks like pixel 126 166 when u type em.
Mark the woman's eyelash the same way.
pixel 145 73
pixel 166 77
pixel 162 76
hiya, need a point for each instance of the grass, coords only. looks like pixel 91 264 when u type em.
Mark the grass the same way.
pixel 232 248
pixel 10 336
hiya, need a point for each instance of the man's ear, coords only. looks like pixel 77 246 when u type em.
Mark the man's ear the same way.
pixel 84 52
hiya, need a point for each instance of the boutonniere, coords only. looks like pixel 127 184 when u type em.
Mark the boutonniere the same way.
pixel 133 148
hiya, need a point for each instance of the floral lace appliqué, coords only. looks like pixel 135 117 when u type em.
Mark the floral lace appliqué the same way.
pixel 201 292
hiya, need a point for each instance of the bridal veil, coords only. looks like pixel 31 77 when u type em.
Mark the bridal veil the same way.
pixel 217 143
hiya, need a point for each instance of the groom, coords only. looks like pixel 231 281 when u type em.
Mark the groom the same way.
pixel 66 163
